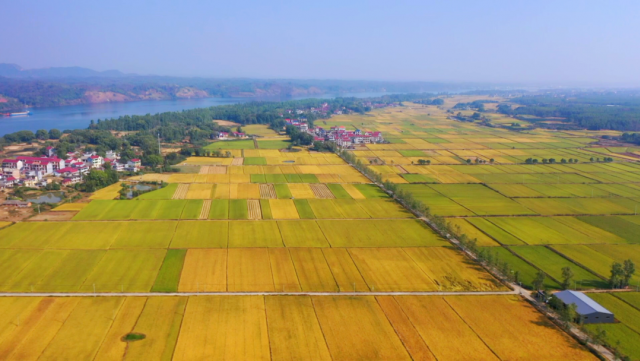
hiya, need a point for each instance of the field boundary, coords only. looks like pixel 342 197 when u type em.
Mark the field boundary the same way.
pixel 331 294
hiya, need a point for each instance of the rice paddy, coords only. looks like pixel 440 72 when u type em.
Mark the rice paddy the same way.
pixel 264 219
pixel 567 209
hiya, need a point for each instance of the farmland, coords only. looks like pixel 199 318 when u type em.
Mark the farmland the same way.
pixel 307 228
pixel 536 199
pixel 279 327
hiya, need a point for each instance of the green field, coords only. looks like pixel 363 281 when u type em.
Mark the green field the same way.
pixel 273 144
pixel 552 263
pixel 169 274
pixel 238 209
pixel 231 144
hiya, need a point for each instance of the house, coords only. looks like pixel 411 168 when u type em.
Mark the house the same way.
pixel 223 135
pixel 8 172
pixel 19 204
pixel 70 175
pixel 9 182
pixel 588 310
pixel 115 165
pixel 133 165
pixel 48 165
pixel 112 155
pixel 30 182
pixel 238 135
pixel 12 164
pixel 95 161
pixel 50 151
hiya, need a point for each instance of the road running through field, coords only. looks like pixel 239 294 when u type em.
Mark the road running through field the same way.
pixel 164 294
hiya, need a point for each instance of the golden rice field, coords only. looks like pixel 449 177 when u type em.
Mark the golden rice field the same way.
pixel 263 220
pixel 280 327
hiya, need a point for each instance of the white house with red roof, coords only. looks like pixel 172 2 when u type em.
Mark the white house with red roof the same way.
pixel 70 175
pixel 223 135
pixel 12 164
pixel 95 161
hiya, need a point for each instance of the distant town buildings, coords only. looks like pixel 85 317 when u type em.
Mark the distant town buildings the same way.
pixel 340 135
pixel 31 171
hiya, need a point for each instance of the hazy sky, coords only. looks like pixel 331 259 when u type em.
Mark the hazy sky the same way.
pixel 555 42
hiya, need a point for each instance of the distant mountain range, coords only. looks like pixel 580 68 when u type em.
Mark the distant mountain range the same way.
pixel 16 71
pixel 24 88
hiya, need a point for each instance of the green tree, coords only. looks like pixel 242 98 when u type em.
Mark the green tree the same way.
pixel 617 275
pixel 42 134
pixel 569 313
pixel 55 134
pixel 538 282
pixel 629 268
pixel 567 277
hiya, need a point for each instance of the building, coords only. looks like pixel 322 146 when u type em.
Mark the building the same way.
pixel 239 135
pixel 12 164
pixel 588 310
pixel 95 161
pixel 223 135
pixel 51 152
pixel 70 175
pixel 19 204
pixel 8 182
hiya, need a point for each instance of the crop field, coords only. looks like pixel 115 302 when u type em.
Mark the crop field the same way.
pixel 280 327
pixel 572 208
pixel 261 218
pixel 626 333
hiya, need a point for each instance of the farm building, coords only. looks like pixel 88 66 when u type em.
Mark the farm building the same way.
pixel 589 310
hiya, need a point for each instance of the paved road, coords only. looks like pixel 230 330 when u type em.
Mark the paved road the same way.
pixel 164 294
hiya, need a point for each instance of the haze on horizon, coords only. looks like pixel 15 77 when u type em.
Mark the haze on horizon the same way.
pixel 550 42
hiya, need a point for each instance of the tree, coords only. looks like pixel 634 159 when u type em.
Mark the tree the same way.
pixel 55 134
pixel 538 282
pixel 629 268
pixel 617 275
pixel 567 277
pixel 42 134
pixel 569 313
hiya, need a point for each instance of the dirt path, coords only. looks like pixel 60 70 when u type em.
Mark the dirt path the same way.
pixel 163 294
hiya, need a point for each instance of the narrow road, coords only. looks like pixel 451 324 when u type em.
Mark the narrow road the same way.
pixel 164 294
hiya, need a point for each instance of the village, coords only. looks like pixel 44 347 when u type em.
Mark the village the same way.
pixel 339 134
pixel 35 172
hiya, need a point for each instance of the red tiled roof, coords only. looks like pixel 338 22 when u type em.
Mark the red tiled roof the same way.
pixel 68 169
pixel 135 160
pixel 10 161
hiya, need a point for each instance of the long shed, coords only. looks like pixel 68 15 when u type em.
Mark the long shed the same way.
pixel 588 310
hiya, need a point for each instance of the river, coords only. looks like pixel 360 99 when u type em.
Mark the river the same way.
pixel 80 116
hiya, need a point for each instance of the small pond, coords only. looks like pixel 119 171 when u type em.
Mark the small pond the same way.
pixel 141 188
pixel 54 197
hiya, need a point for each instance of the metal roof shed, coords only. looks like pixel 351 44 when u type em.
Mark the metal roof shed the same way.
pixel 589 310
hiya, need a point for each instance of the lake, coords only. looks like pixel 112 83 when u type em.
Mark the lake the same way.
pixel 80 116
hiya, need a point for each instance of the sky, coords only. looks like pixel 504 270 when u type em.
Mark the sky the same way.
pixel 537 42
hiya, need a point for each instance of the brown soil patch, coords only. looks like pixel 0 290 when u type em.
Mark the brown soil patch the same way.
pixel 53 216
pixel 226 123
